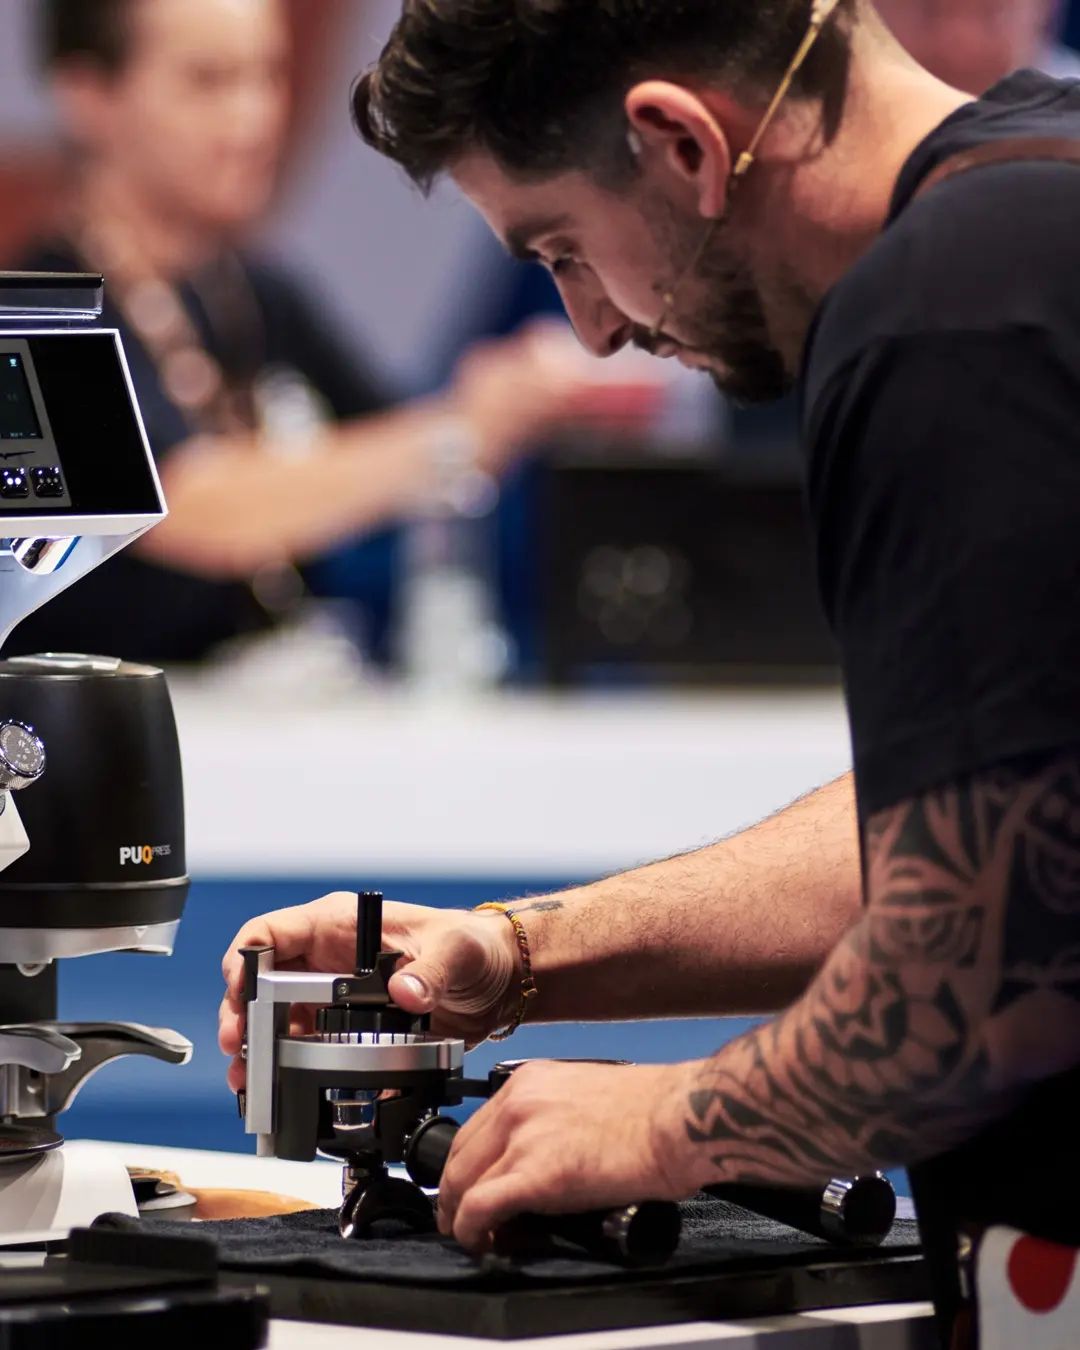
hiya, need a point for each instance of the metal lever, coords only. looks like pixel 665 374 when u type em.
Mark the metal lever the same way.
pixel 95 1044
pixel 41 1049
pixel 28 1056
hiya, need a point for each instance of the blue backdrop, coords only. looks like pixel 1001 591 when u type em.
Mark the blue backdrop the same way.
pixel 1072 24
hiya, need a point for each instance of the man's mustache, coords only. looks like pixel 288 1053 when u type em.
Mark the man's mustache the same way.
pixel 647 341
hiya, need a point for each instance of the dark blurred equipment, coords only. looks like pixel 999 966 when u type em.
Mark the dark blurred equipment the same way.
pixel 111 1289
pixel 92 859
pixel 680 570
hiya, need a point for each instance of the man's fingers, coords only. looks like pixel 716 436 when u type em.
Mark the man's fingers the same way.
pixel 237 1074
pixel 230 1027
pixel 487 1207
pixel 291 932
pixel 414 987
pixel 478 1146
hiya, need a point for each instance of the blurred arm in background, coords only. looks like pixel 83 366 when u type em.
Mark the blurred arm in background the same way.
pixel 298 501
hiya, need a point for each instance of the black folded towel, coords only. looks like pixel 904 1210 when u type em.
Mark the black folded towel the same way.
pixel 716 1236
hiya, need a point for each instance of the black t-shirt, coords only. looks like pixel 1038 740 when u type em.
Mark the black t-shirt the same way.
pixel 147 612
pixel 941 411
pixel 942 416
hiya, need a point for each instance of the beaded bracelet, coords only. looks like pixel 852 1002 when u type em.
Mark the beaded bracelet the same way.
pixel 528 983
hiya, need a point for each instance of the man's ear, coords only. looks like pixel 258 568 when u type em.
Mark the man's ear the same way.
pixel 673 126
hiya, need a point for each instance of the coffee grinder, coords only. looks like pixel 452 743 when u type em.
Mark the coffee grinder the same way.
pixel 92 856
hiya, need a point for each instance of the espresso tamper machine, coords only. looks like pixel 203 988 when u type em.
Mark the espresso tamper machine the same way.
pixel 367 1086
pixel 92 856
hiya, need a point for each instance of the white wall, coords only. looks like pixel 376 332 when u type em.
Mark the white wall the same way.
pixel 24 109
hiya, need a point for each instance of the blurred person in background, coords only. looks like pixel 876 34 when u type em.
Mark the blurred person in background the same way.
pixel 972 44
pixel 273 441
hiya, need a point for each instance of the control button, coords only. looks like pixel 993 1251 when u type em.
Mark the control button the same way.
pixel 14 483
pixel 48 481
pixel 22 756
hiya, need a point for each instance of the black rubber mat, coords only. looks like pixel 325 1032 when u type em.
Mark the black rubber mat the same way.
pixel 729 1264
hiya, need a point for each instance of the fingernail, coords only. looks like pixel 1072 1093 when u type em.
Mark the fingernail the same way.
pixel 416 986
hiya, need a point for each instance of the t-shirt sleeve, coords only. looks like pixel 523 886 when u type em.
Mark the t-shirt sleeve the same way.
pixel 301 332
pixel 946 492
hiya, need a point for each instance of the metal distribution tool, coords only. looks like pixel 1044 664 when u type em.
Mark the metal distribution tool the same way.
pixel 92 857
pixel 367 1085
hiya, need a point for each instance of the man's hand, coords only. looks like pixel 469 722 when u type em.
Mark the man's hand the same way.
pixel 459 966
pixel 566 1138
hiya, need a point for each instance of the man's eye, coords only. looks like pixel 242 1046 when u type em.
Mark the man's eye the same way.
pixel 559 266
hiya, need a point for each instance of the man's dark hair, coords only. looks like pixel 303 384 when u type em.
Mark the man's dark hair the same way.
pixel 96 32
pixel 538 84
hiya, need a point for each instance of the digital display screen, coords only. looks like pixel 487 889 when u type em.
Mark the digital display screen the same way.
pixel 18 417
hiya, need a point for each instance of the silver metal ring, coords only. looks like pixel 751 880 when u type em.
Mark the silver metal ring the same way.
pixel 833 1208
pixel 371 1052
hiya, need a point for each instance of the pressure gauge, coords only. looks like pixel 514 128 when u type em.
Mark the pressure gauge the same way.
pixel 22 756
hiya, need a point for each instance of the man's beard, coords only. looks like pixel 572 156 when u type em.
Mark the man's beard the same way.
pixel 721 314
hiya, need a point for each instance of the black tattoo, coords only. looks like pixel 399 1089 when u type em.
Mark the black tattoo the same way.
pixel 539 907
pixel 899 1050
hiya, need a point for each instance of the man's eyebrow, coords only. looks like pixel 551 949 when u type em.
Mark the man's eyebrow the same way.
pixel 520 240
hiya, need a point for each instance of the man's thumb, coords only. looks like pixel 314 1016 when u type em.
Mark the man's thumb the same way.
pixel 417 987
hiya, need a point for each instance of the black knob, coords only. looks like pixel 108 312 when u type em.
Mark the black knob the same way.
pixel 368 930
pixel 645 1234
pixel 428 1148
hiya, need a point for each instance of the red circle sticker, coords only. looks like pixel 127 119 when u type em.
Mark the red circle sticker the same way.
pixel 1040 1274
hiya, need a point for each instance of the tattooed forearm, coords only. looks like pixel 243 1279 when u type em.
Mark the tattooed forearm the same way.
pixel 931 1015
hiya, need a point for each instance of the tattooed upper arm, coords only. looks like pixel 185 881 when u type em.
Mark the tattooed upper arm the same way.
pixel 959 987
pixel 984 879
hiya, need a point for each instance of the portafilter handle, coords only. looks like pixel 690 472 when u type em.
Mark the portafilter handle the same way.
pixel 851 1211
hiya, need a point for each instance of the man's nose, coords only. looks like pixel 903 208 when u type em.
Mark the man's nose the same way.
pixel 601 328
